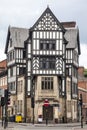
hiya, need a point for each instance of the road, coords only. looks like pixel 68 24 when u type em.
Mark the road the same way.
pixel 26 126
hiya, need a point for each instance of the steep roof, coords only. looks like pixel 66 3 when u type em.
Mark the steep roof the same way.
pixel 53 16
pixel 17 35
pixel 72 36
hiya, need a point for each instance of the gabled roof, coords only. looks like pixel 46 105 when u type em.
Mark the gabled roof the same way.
pixel 43 14
pixel 17 35
pixel 72 37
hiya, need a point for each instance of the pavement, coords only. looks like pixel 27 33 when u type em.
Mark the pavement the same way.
pixel 56 125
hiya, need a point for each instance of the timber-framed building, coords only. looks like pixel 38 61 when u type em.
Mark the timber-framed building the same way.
pixel 42 64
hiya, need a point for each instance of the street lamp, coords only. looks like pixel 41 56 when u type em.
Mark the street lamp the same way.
pixel 46 105
pixel 33 95
pixel 81 103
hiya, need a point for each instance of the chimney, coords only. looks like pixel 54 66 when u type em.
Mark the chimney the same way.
pixel 71 24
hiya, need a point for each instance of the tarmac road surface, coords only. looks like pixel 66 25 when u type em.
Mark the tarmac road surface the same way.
pixel 27 126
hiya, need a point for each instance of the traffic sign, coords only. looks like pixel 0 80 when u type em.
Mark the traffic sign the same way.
pixel 46 103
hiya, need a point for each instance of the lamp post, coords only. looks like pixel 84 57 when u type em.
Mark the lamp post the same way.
pixel 81 103
pixel 46 105
pixel 33 95
pixel 2 104
pixel 6 114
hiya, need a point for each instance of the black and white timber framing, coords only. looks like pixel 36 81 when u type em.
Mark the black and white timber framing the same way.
pixel 48 48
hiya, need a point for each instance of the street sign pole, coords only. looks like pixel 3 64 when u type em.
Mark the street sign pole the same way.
pixel 33 95
pixel 81 103
pixel 46 115
pixel 5 114
pixel 2 115
pixel 46 105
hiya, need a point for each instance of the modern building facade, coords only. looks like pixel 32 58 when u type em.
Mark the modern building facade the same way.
pixel 46 59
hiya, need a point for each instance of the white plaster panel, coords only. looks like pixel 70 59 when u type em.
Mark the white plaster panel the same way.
pixel 29 65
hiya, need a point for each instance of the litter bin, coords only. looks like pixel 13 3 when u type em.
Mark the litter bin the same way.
pixel 18 118
pixel 13 118
pixel 56 120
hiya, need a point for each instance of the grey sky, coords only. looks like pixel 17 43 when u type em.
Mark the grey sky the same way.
pixel 24 13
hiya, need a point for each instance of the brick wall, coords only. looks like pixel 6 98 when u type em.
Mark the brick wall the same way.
pixel 81 71
pixel 82 89
pixel 3 65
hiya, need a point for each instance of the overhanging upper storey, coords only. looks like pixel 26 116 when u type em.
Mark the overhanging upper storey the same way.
pixel 47 21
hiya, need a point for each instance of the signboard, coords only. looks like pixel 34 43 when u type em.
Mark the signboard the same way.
pixel 56 105
pixel 46 103
pixel 1 92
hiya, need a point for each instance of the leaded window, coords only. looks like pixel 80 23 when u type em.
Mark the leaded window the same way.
pixel 75 56
pixel 12 86
pixel 22 70
pixel 11 72
pixel 74 88
pixel 10 42
pixel 20 86
pixel 47 44
pixel 47 83
pixel 11 56
pixel 47 63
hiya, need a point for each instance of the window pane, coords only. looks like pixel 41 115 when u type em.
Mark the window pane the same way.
pixel 51 84
pixel 42 84
pixel 47 44
pixel 47 83
pixel 47 63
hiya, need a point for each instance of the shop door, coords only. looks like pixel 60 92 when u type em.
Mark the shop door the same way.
pixel 48 113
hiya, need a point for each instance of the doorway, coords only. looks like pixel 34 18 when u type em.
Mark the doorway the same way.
pixel 48 112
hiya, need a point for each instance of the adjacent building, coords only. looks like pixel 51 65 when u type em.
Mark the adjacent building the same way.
pixel 3 81
pixel 82 89
pixel 42 65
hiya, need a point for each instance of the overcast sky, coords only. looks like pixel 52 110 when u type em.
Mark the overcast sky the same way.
pixel 24 13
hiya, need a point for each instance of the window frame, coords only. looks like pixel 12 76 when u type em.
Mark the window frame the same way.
pixel 48 63
pixel 47 44
pixel 47 83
